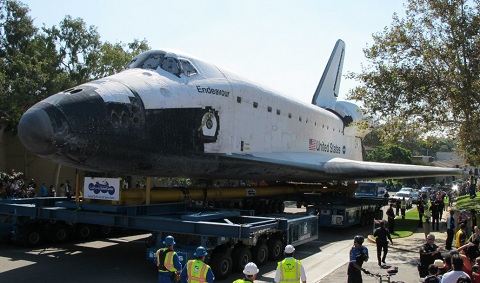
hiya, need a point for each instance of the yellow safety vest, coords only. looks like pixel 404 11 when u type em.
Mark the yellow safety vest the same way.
pixel 197 271
pixel 457 239
pixel 168 262
pixel 289 270
pixel 403 204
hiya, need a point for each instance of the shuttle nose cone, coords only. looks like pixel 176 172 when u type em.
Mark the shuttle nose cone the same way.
pixel 36 132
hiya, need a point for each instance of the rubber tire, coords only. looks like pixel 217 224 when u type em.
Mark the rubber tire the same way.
pixel 260 254
pixel 31 236
pixel 241 256
pixel 275 248
pixel 105 230
pixel 84 231
pixel 221 264
pixel 59 233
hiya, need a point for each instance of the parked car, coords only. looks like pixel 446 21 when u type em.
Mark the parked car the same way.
pixel 406 189
pixel 400 195
pixel 425 189
pixel 415 197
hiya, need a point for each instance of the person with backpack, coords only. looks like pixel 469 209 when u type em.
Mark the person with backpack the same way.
pixel 168 262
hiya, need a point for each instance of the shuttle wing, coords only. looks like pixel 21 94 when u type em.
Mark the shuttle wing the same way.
pixel 305 166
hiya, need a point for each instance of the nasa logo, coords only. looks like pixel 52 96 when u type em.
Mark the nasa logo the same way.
pixel 251 192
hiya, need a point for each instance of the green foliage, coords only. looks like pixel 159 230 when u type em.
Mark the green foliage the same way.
pixel 423 76
pixel 36 63
pixel 464 202
pixel 390 154
pixel 405 227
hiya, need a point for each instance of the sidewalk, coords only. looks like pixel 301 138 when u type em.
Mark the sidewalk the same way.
pixel 403 254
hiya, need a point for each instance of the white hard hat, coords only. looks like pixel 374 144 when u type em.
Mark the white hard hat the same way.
pixel 250 269
pixel 289 249
pixel 439 263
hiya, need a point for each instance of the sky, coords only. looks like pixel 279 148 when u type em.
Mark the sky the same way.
pixel 284 45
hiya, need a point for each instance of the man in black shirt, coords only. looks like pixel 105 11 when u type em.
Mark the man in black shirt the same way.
pixel 391 219
pixel 382 233
pixel 434 209
pixel 450 230
pixel 429 252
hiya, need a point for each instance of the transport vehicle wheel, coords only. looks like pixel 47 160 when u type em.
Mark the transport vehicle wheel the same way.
pixel 275 249
pixel 83 231
pixel 241 256
pixel 105 230
pixel 260 254
pixel 221 264
pixel 59 233
pixel 31 236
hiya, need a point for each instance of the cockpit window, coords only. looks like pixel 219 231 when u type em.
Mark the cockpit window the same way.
pixel 167 61
pixel 171 65
pixel 147 60
pixel 153 61
pixel 187 68
pixel 131 63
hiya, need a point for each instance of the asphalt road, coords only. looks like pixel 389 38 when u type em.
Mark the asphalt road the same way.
pixel 123 259
pixel 101 260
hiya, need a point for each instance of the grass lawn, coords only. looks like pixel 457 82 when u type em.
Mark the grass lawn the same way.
pixel 464 202
pixel 405 227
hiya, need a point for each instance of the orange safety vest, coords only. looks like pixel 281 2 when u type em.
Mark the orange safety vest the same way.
pixel 167 262
pixel 197 271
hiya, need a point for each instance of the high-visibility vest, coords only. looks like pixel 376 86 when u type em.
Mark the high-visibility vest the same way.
pixel 168 260
pixel 197 271
pixel 403 204
pixel 241 281
pixel 457 239
pixel 289 270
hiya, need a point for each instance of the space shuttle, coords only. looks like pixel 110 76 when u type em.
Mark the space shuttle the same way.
pixel 170 114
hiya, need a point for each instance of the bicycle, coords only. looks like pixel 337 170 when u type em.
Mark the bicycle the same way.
pixel 386 277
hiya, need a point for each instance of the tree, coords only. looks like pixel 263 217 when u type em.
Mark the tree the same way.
pixel 20 70
pixel 36 63
pixel 423 76
pixel 390 154
pixel 113 57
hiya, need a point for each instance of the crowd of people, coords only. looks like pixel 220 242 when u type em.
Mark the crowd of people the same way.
pixel 13 185
pixel 461 262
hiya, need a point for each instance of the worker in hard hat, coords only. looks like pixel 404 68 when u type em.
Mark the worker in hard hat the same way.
pixel 290 269
pixel 250 270
pixel 168 262
pixel 196 270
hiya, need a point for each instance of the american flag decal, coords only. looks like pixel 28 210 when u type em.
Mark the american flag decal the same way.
pixel 312 144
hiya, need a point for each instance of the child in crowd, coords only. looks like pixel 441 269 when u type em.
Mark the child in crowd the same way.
pixel 432 274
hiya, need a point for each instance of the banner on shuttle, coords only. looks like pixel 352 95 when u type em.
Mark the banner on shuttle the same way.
pixel 101 188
